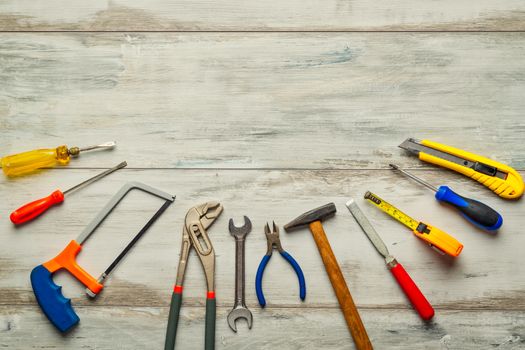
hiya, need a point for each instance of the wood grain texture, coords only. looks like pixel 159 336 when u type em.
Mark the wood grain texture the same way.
pixel 272 109
pixel 257 100
pixel 340 287
pixel 251 15
pixel 140 328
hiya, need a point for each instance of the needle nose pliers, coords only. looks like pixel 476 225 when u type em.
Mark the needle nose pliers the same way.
pixel 194 234
pixel 273 241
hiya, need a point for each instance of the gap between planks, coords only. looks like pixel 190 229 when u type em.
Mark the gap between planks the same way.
pixel 422 31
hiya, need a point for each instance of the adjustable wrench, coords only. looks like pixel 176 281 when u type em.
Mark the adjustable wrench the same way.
pixel 239 308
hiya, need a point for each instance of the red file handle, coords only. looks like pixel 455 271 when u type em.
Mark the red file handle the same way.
pixel 413 293
pixel 32 210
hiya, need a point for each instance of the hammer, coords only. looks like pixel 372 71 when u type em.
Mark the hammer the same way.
pixel 313 219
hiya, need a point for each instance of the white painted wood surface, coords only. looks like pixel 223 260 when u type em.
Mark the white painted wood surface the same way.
pixel 271 125
pixel 253 15
pixel 257 100
pixel 485 277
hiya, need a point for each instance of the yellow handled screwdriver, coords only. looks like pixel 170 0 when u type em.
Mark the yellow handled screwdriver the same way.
pixel 27 162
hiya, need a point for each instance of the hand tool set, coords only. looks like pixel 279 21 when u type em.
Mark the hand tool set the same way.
pixel 500 178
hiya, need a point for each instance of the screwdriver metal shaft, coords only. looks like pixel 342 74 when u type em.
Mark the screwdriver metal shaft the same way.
pixel 415 178
pixel 96 177
pixel 109 144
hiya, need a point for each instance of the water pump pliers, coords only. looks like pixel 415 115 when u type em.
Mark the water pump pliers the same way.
pixel 194 234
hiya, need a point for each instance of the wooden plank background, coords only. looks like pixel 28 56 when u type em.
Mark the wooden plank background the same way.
pixel 272 109
pixel 253 15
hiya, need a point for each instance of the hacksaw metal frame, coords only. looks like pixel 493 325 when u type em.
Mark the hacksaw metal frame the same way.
pixel 117 198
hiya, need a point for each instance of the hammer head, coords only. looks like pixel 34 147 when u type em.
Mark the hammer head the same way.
pixel 318 214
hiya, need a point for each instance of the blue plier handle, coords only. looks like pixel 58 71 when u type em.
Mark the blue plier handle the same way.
pixel 272 238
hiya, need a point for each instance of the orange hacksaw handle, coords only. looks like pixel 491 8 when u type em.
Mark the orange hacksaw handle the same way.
pixel 66 260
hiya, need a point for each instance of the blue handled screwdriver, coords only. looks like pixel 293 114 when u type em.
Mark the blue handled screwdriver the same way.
pixel 474 211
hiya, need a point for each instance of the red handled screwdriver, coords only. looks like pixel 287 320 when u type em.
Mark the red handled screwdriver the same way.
pixel 406 283
pixel 31 210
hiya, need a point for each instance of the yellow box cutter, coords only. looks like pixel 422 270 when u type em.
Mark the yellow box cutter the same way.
pixel 500 178
pixel 437 239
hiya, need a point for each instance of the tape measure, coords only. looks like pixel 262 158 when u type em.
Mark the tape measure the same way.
pixel 436 238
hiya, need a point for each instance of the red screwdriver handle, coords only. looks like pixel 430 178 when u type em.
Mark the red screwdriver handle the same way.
pixel 413 293
pixel 32 210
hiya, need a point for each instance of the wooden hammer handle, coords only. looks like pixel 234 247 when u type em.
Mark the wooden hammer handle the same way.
pixel 355 325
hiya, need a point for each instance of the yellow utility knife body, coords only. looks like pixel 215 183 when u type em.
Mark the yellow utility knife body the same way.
pixel 500 178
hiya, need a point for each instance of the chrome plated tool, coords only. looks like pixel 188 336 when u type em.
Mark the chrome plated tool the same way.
pixel 239 307
pixel 194 234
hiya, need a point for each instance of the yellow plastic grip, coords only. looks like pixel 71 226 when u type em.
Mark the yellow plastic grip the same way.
pixel 512 187
pixel 441 240
pixel 23 163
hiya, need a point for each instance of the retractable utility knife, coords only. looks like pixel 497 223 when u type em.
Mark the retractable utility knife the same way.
pixel 500 178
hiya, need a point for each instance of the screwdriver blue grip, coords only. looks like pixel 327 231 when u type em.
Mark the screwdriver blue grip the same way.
pixel 56 307
pixel 474 211
pixel 258 279
pixel 299 272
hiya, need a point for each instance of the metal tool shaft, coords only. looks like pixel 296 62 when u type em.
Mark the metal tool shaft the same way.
pixel 137 237
pixel 239 271
pixel 109 144
pixel 415 178
pixel 367 227
pixel 113 202
pixel 402 277
pixel 369 230
pixel 96 177
pixel 239 307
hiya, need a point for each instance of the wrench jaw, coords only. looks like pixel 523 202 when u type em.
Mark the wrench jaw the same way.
pixel 240 232
pixel 239 312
